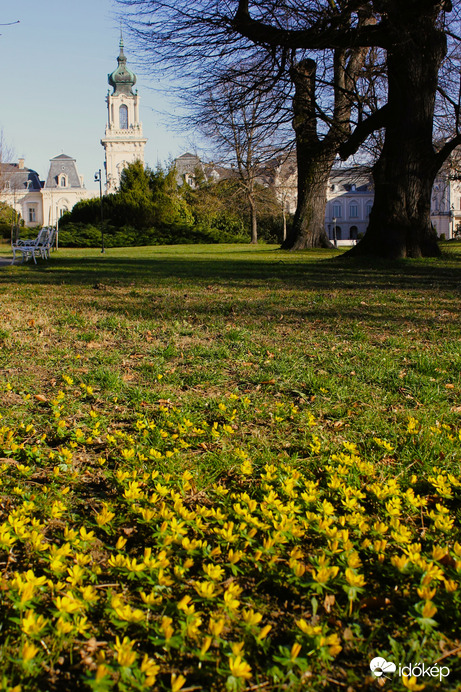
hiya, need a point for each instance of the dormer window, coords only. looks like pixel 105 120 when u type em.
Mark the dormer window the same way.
pixel 353 187
pixel 62 181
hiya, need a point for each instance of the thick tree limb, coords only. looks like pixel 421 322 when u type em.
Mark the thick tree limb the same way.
pixel 363 130
pixel 445 151
pixel 328 32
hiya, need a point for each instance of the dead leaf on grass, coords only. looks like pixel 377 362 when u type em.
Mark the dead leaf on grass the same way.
pixel 329 602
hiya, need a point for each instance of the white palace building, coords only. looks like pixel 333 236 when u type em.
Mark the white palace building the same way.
pixel 43 202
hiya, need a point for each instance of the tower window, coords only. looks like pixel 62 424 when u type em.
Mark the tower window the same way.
pixel 123 115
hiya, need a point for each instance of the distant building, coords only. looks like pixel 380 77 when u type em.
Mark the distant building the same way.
pixel 350 199
pixel 350 194
pixel 63 189
pixel 42 203
pixel 349 202
pixel 123 141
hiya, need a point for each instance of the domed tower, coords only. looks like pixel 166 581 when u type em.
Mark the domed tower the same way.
pixel 123 142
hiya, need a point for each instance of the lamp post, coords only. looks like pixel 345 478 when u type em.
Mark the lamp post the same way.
pixel 98 179
pixel 334 231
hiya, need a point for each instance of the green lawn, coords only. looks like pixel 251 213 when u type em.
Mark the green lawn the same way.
pixel 227 468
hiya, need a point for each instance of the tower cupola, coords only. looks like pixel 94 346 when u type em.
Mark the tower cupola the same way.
pixel 122 79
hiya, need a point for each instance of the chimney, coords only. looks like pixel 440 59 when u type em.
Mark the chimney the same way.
pixel 21 163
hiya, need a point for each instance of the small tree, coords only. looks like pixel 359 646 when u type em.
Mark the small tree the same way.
pixel 242 124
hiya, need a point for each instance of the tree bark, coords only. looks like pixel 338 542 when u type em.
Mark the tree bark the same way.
pixel 253 220
pixel 400 223
pixel 314 160
pixel 308 229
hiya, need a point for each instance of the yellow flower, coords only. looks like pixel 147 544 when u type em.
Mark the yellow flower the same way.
pixel 353 579
pixel 125 612
pixel 234 556
pixel 186 605
pixel 264 632
pixel 101 671
pixel 213 571
pixel 250 617
pixel 237 648
pixel 177 681
pixel 332 641
pixel 412 683
pixel 310 630
pixel 450 584
pixel 105 516
pixel 324 574
pixel 229 601
pixel 239 668
pixel 295 649
pixel 68 604
pixel 216 626
pixel 206 645
pixel 205 589
pixel 150 669
pixel 151 599
pixel 63 627
pixel 33 624
pixel 89 594
pixel 429 609
pixel 193 626
pixel 29 651
pixel 399 561
pixel 438 553
pixel 166 627
pixel 125 654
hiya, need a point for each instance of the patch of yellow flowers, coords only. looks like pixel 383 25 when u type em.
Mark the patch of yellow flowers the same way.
pixel 171 583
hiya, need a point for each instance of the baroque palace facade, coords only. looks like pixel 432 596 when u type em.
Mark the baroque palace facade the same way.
pixel 349 194
pixel 43 202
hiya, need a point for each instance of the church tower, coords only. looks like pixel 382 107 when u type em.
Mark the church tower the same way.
pixel 123 142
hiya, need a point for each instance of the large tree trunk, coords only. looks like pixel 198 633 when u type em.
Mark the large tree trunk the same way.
pixel 314 159
pixel 253 220
pixel 308 229
pixel 400 223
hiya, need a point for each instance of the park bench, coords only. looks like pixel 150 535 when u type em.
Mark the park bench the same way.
pixel 36 247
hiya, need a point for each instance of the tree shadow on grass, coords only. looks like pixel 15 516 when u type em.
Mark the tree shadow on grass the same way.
pixel 282 270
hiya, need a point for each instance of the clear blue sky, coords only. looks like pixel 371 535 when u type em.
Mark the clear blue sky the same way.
pixel 54 65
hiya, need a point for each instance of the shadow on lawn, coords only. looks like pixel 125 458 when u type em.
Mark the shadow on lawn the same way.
pixel 313 274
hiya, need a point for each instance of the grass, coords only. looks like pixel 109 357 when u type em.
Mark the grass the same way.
pixel 229 467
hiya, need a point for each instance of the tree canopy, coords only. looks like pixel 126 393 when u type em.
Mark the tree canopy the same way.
pixel 416 35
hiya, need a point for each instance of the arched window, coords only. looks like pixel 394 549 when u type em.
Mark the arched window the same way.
pixel 353 210
pixel 353 231
pixel 338 232
pixel 123 115
pixel 62 181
